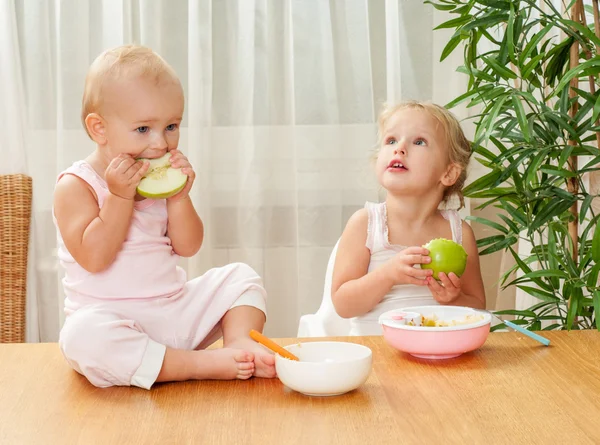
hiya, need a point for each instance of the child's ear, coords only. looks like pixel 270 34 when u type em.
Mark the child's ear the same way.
pixel 96 127
pixel 451 175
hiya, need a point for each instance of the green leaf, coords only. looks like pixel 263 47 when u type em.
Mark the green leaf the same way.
pixel 476 73
pixel 596 245
pixel 552 327
pixel 531 65
pixel 596 298
pixel 482 183
pixel 441 7
pixel 553 208
pixel 510 223
pixel 587 32
pixel 532 44
pixel 535 277
pixel 522 117
pixel 515 213
pixel 488 223
pixel 596 112
pixel 450 46
pixel 510 31
pixel 585 205
pixel 578 71
pixel 592 280
pixel 558 172
pixel 550 317
pixel 574 300
pixel 518 313
pixel 552 255
pixel 496 192
pixel 509 241
pixel 455 23
pixel 489 240
pixel 534 167
pixel 546 274
pixel 497 4
pixel 564 124
pixel 538 293
pixel 502 71
pixel 462 98
pixel 564 156
pixel 486 22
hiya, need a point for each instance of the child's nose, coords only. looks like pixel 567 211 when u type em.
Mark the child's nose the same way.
pixel 400 148
pixel 159 141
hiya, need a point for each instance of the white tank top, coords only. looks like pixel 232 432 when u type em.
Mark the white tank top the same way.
pixel 402 295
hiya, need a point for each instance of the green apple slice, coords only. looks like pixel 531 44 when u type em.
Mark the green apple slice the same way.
pixel 161 180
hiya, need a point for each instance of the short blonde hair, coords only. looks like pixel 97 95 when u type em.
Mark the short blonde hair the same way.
pixel 459 147
pixel 123 61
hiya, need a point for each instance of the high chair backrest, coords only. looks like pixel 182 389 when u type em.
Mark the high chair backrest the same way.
pixel 15 219
pixel 333 324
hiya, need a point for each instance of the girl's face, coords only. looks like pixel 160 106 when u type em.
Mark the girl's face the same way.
pixel 413 158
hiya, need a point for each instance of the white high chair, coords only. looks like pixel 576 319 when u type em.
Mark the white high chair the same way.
pixel 325 322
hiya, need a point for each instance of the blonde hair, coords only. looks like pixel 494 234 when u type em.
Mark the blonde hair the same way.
pixel 459 147
pixel 128 61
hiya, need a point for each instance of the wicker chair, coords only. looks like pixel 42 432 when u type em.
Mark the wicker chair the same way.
pixel 15 220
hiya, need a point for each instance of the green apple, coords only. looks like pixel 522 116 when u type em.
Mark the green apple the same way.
pixel 161 180
pixel 446 256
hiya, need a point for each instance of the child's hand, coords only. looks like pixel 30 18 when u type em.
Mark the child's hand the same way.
pixel 124 174
pixel 178 160
pixel 450 290
pixel 401 267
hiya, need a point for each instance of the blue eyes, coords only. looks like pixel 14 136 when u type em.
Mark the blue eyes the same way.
pixel 146 129
pixel 393 141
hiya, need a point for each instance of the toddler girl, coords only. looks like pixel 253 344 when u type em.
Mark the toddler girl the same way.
pixel 421 162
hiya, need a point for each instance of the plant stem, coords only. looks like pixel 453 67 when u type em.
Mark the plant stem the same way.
pixel 572 185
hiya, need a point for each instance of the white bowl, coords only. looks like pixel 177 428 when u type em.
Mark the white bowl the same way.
pixel 326 368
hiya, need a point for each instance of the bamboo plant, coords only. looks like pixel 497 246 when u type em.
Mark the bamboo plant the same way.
pixel 533 74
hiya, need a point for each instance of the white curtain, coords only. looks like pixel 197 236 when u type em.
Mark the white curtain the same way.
pixel 281 103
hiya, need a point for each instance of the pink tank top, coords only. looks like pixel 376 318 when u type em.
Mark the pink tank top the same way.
pixel 145 267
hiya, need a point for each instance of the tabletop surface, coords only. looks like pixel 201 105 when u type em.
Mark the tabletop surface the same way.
pixel 512 390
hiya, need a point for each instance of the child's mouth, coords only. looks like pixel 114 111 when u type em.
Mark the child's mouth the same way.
pixel 396 166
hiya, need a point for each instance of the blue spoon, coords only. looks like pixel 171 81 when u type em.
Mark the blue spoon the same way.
pixel 522 330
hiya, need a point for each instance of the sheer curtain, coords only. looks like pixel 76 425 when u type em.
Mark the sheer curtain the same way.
pixel 281 103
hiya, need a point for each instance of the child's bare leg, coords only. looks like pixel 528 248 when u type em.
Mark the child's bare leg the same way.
pixel 215 364
pixel 236 326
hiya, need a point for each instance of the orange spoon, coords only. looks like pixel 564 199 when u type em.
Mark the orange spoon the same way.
pixel 258 337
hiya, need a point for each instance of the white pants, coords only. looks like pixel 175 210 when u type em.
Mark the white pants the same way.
pixel 123 342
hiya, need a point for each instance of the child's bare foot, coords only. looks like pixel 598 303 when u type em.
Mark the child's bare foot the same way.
pixel 225 364
pixel 264 361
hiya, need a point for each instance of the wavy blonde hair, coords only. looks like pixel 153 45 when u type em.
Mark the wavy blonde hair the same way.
pixel 127 61
pixel 459 147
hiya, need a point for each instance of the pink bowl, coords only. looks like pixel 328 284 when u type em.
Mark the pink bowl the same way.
pixel 436 342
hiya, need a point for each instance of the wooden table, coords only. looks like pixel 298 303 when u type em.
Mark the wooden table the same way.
pixel 510 391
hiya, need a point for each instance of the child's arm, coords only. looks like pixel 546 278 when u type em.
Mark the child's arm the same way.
pixel 184 226
pixel 355 292
pixel 468 290
pixel 92 235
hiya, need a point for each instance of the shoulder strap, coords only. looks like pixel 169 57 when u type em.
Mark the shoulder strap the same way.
pixel 377 227
pixel 455 224
pixel 83 170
